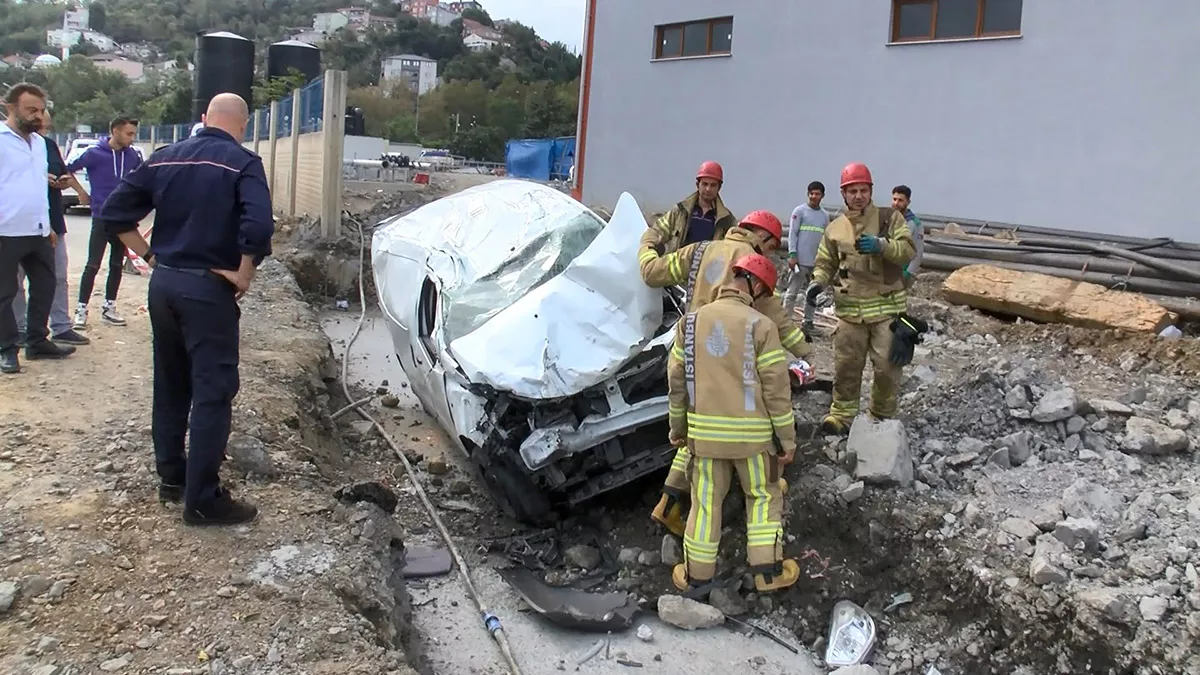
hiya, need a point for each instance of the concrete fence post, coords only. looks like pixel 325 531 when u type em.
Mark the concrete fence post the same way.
pixel 153 140
pixel 257 127
pixel 175 134
pixel 272 142
pixel 333 140
pixel 296 127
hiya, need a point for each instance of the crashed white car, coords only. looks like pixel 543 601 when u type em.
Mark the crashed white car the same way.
pixel 525 328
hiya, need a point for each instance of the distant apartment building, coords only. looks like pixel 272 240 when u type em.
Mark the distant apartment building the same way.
pixel 60 38
pixel 327 22
pixel 460 7
pixel 77 19
pixel 133 70
pixel 417 73
pixel 354 18
pixel 478 37
pixel 438 13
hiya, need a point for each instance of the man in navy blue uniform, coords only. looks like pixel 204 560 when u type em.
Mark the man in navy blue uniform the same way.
pixel 212 228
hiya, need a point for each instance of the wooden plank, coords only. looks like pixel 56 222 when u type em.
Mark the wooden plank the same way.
pixel 1049 299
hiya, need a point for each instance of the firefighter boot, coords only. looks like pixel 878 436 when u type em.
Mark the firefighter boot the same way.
pixel 788 574
pixel 679 576
pixel 834 426
pixel 670 513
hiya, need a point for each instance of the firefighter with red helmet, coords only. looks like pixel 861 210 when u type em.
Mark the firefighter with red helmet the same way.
pixel 702 216
pixel 731 406
pixel 704 268
pixel 861 259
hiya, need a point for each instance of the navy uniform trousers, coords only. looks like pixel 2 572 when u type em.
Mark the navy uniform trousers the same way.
pixel 194 316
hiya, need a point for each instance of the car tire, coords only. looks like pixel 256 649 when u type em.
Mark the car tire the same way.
pixel 515 493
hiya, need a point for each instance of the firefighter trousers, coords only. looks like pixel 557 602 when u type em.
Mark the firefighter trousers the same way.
pixel 764 513
pixel 677 484
pixel 852 343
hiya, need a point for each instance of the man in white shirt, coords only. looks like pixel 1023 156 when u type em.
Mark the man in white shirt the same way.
pixel 26 237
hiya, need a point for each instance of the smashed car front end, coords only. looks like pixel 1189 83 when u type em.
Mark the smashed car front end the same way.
pixel 546 354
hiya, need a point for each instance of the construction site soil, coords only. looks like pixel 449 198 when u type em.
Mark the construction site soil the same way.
pixel 1051 525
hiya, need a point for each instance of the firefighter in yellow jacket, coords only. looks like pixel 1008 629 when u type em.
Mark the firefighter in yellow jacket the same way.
pixel 731 405
pixel 704 268
pixel 862 258
pixel 702 216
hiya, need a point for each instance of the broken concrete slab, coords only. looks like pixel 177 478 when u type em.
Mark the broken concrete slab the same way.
pixel 1050 299
pixel 882 451
pixel 688 614
pixel 1147 437
pixel 1056 405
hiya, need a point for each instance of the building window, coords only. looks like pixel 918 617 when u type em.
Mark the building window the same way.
pixel 924 20
pixel 695 38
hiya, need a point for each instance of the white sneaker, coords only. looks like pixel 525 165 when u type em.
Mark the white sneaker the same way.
pixel 81 317
pixel 109 315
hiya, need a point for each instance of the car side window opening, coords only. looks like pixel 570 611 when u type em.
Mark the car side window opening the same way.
pixel 427 307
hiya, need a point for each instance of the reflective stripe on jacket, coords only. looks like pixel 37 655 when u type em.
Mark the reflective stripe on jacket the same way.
pixel 728 381
pixel 670 230
pixel 866 288
pixel 705 267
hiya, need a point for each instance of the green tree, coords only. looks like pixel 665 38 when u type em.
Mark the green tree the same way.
pixel 266 90
pixel 479 15
pixel 97 17
pixel 479 142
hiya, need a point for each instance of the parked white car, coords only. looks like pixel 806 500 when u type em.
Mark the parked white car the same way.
pixel 525 329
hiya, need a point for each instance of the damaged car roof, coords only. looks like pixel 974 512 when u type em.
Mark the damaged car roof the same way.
pixel 538 296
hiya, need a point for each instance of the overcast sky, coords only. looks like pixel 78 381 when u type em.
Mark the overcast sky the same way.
pixel 554 20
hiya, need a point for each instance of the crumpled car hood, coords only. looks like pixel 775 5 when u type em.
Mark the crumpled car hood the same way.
pixel 569 332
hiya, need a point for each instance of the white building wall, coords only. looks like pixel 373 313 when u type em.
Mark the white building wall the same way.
pixel 1087 121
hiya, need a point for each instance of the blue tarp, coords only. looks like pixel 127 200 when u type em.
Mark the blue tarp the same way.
pixel 540 158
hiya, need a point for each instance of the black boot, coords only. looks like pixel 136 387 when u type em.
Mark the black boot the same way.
pixel 47 350
pixel 9 363
pixel 224 510
pixel 169 493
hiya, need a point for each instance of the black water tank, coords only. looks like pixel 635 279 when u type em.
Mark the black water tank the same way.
pixel 224 63
pixel 283 57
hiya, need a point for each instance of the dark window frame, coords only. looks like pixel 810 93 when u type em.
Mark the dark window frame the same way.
pixel 980 33
pixel 660 34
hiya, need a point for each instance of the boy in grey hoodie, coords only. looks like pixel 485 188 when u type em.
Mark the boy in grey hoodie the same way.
pixel 107 162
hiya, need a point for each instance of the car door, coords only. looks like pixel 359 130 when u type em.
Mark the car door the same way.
pixel 426 353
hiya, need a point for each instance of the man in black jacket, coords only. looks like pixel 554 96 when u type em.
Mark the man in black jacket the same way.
pixel 61 329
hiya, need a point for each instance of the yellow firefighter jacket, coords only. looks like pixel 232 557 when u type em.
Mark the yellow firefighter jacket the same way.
pixel 671 228
pixel 728 381
pixel 705 267
pixel 866 288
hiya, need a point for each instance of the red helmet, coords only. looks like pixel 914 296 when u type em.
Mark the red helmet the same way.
pixel 711 170
pixel 856 172
pixel 761 267
pixel 765 220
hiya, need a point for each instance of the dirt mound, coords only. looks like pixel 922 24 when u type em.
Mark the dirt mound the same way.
pixel 103 578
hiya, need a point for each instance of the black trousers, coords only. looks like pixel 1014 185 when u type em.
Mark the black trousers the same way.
pixel 194 317
pixel 97 242
pixel 36 256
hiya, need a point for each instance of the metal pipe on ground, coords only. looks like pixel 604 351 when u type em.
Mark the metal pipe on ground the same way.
pixel 1163 249
pixel 983 227
pixel 1178 289
pixel 1070 260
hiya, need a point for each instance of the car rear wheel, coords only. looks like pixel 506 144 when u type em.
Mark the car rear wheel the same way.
pixel 514 491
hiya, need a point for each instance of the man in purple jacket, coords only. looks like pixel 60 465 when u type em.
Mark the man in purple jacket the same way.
pixel 107 162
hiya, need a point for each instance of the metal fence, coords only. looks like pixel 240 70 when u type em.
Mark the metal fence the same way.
pixel 312 108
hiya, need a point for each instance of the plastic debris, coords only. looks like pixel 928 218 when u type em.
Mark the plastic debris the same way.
pixel 851 635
